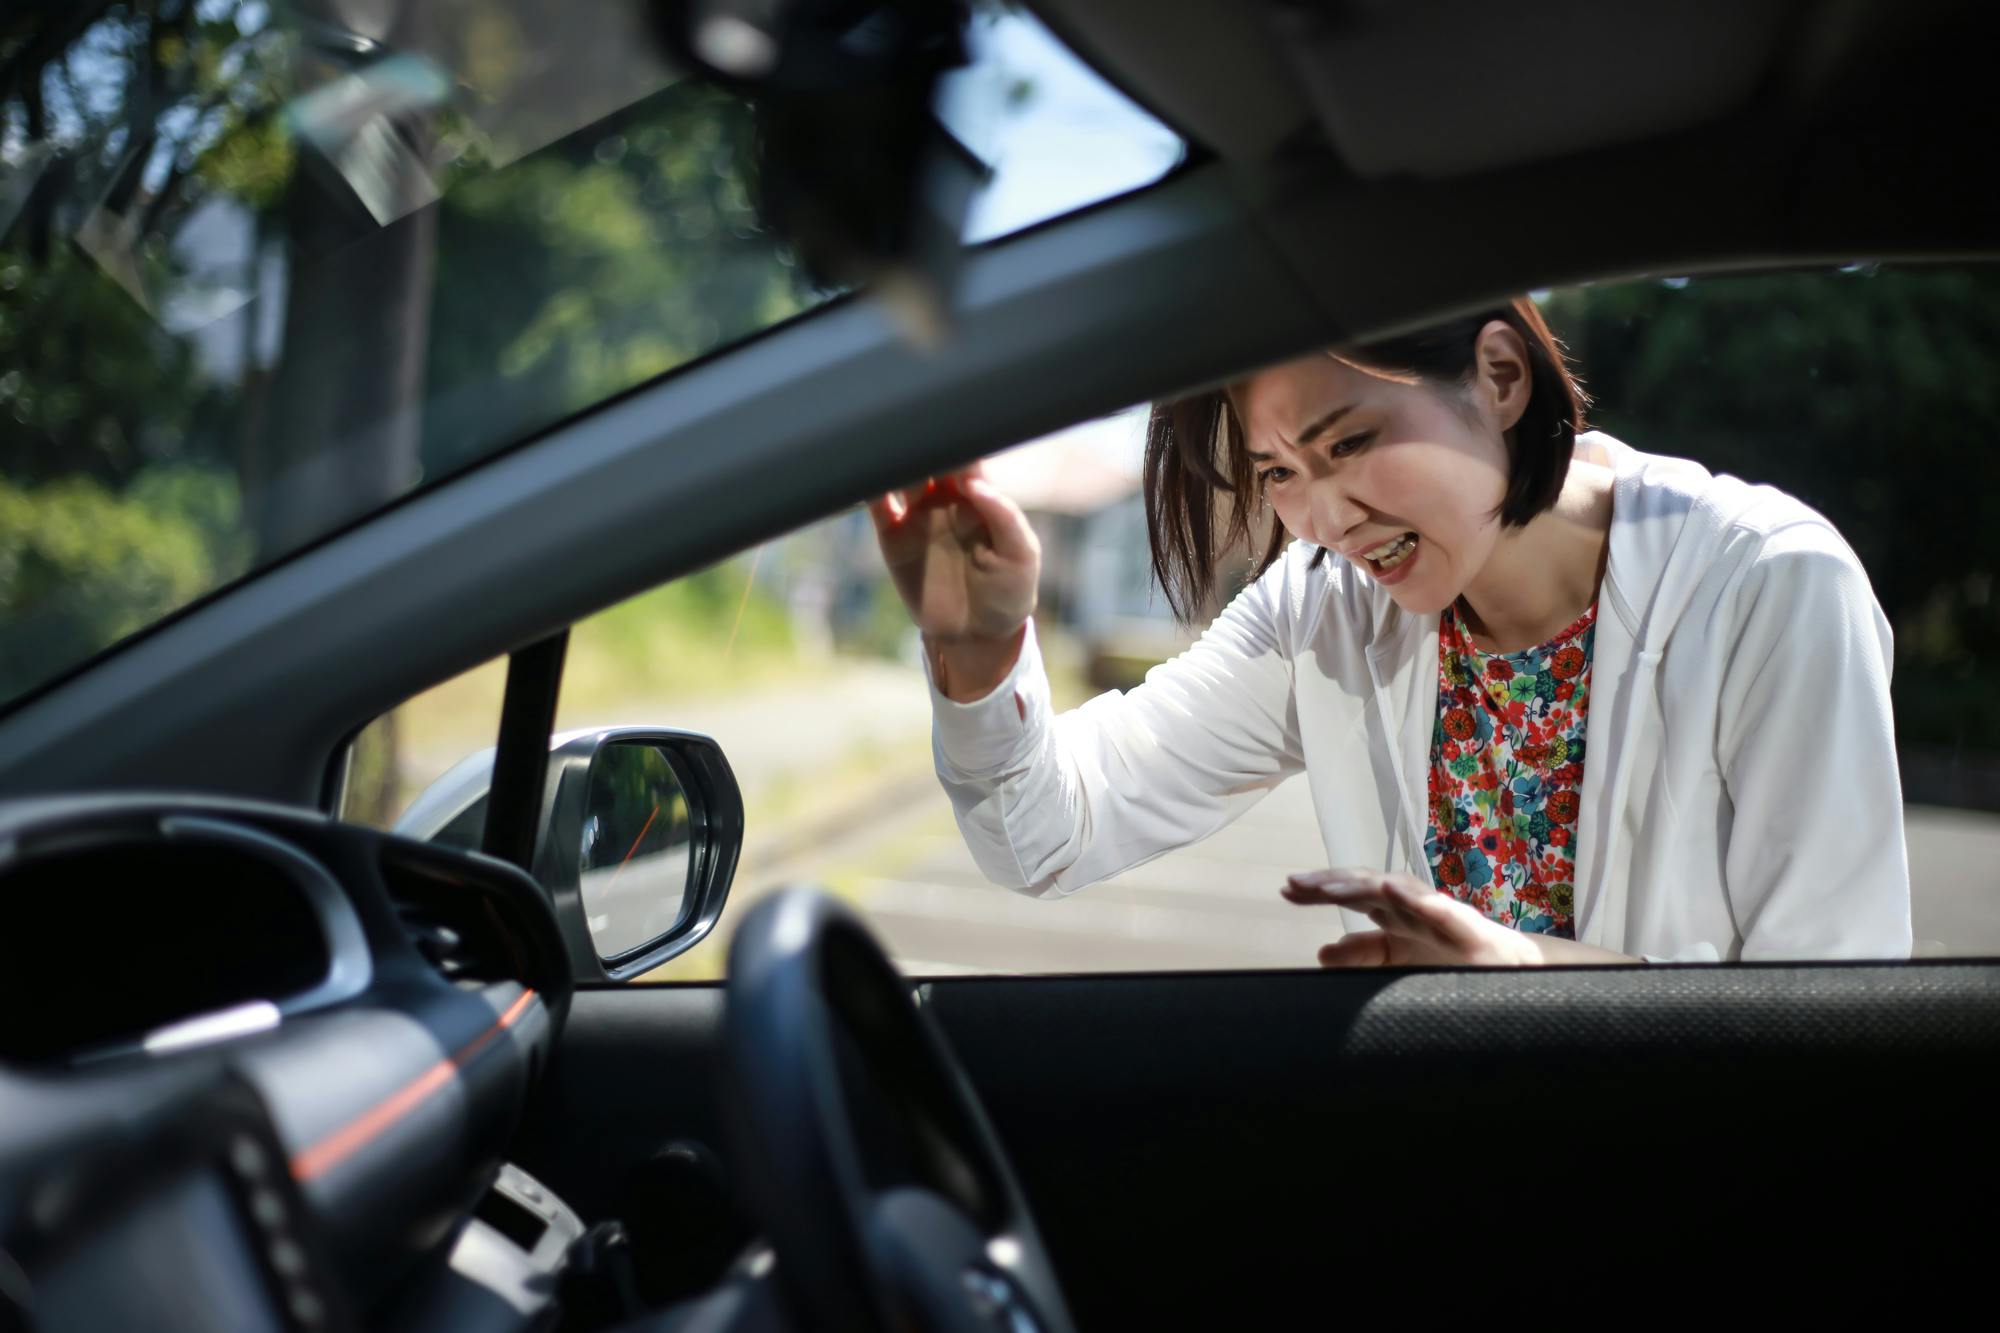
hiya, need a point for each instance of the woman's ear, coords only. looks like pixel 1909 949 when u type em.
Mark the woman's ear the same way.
pixel 1501 376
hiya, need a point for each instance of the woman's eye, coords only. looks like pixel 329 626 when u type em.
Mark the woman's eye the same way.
pixel 1272 476
pixel 1352 444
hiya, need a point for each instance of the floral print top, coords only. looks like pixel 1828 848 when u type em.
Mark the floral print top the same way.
pixel 1506 773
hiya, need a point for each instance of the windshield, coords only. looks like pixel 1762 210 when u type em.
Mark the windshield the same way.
pixel 266 268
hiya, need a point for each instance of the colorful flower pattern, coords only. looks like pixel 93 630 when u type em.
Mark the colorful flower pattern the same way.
pixel 1506 770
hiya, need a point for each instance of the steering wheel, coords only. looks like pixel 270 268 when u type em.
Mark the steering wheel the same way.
pixel 885 1195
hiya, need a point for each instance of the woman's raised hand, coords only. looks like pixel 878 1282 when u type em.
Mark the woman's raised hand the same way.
pixel 962 556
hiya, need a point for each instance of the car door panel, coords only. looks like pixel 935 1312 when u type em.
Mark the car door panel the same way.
pixel 1207 1146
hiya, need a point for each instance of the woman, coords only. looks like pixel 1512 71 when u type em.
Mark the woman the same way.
pixel 1558 700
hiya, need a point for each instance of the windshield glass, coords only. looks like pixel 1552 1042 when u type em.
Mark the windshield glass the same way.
pixel 266 268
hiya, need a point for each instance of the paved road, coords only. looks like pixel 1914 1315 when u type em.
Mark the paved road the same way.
pixel 1215 905
pixel 636 901
pixel 1954 881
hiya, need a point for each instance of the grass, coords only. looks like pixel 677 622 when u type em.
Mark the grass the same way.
pixel 712 633
pixel 697 637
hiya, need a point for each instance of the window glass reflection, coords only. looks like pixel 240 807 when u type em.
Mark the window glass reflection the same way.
pixel 635 853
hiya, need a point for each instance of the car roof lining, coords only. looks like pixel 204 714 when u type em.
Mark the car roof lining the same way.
pixel 1395 101
pixel 1187 63
pixel 1446 88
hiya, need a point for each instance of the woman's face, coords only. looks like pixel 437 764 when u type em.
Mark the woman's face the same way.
pixel 1404 480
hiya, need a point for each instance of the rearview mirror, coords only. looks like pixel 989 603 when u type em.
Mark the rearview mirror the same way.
pixel 853 166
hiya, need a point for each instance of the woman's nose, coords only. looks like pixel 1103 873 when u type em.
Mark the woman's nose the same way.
pixel 1335 513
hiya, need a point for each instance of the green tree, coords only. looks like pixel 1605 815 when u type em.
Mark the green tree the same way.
pixel 81 566
pixel 629 248
pixel 411 339
pixel 1869 393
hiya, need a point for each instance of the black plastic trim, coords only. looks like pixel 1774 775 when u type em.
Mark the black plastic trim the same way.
pixel 527 716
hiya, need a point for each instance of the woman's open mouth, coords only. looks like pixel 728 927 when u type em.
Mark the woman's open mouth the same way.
pixel 1392 557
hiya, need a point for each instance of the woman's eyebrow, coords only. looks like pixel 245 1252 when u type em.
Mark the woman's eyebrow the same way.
pixel 1312 432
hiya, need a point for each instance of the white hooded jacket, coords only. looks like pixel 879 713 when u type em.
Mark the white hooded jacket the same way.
pixel 1740 795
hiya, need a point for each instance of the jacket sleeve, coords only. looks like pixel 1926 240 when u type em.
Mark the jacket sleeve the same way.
pixel 1815 860
pixel 1049 804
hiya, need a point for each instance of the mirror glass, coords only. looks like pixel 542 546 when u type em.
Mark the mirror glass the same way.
pixel 636 847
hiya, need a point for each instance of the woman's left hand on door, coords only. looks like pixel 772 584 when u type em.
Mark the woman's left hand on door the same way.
pixel 1416 926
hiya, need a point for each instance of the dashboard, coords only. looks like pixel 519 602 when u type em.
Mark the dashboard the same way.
pixel 260 1066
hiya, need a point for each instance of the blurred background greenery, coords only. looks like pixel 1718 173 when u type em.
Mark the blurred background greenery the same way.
pixel 1874 395
pixel 222 338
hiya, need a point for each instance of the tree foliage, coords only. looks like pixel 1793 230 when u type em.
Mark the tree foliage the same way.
pixel 82 566
pixel 1870 393
pixel 192 278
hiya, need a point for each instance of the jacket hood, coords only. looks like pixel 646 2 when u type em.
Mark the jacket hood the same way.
pixel 1669 516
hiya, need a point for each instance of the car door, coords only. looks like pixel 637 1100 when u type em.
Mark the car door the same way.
pixel 1242 1146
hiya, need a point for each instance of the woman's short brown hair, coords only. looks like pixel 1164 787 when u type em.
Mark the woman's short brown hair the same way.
pixel 1183 473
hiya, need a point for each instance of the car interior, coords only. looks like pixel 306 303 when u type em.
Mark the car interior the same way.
pixel 264 1068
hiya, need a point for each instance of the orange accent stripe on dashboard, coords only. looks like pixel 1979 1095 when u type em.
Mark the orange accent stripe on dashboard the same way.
pixel 339 1145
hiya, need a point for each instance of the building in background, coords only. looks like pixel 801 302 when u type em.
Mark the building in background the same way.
pixel 1081 490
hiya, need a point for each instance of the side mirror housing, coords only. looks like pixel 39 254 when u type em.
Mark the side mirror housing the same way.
pixel 640 836
pixel 640 831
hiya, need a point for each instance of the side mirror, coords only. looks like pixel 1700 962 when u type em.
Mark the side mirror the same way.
pixel 639 845
pixel 641 828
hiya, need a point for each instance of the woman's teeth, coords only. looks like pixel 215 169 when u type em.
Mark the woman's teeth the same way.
pixel 1392 553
